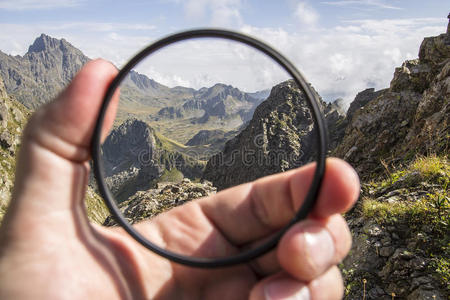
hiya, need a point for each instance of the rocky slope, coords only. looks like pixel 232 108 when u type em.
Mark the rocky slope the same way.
pixel 361 99
pixel 147 204
pixel 410 117
pixel 279 137
pixel 13 117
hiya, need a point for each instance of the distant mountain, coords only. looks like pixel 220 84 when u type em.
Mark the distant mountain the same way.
pixel 42 72
pixel 138 88
pixel 261 95
pixel 50 64
pixel 339 106
pixel 221 101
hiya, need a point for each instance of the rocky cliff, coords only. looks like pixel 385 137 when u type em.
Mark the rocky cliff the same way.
pixel 410 117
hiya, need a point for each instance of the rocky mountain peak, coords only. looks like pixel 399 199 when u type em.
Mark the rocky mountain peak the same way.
pixel 222 90
pixel 45 43
pixel 59 47
pixel 42 72
pixel 435 50
pixel 138 127
pixel 135 156
pixel 221 85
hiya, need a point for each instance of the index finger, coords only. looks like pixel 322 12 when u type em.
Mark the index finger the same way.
pixel 251 211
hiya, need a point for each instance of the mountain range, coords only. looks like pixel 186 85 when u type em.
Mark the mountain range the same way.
pixel 396 138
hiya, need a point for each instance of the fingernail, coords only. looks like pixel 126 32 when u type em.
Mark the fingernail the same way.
pixel 319 246
pixel 286 289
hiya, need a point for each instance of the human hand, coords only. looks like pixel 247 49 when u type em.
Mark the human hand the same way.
pixel 49 250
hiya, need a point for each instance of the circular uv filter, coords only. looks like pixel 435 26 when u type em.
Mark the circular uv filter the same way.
pixel 185 124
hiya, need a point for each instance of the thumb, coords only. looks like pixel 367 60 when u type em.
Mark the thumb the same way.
pixel 52 169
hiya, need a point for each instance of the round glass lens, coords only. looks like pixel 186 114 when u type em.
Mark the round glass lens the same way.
pixel 188 126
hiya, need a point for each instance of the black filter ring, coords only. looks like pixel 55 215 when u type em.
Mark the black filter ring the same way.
pixel 312 101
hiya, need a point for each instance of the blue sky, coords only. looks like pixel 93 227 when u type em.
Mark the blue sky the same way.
pixel 342 46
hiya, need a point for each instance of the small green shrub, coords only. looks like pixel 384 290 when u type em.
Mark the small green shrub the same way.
pixel 432 167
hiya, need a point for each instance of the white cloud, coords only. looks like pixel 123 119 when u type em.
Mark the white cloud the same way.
pixel 339 61
pixel 306 14
pixel 379 4
pixel 37 4
pixel 225 13
pixel 195 8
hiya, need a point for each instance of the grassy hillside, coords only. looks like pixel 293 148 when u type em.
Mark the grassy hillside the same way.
pixel 401 233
